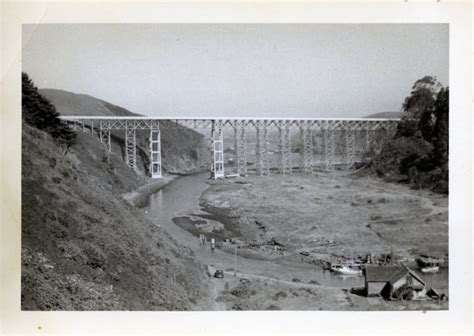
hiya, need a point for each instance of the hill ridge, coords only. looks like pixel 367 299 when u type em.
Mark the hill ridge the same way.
pixel 69 103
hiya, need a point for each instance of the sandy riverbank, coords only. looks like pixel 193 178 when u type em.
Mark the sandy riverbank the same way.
pixel 333 216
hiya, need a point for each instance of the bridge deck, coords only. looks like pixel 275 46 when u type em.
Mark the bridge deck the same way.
pixel 219 118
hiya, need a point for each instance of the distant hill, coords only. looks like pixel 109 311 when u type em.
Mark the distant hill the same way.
pixel 69 103
pixel 385 115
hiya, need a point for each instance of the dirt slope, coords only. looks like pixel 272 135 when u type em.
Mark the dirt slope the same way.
pixel 83 247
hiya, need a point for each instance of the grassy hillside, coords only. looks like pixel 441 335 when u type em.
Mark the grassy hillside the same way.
pixel 69 103
pixel 184 150
pixel 83 247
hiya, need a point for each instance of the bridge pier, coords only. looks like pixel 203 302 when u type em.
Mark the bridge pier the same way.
pixel 261 148
pixel 155 151
pixel 217 150
pixel 306 150
pixel 328 146
pixel 284 146
pixel 104 134
pixel 391 129
pixel 240 147
pixel 370 138
pixel 130 146
pixel 350 148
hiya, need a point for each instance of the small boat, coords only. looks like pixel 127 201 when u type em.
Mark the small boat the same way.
pixel 430 269
pixel 347 268
pixel 428 264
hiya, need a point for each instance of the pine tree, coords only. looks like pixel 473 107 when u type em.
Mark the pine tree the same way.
pixel 37 111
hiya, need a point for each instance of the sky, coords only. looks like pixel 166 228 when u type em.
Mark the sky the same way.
pixel 239 70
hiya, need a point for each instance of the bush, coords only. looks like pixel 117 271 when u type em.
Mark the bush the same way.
pixel 194 154
pixel 95 256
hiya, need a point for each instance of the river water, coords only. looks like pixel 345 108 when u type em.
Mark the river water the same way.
pixel 182 195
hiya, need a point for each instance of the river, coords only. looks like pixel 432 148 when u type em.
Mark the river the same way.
pixel 181 196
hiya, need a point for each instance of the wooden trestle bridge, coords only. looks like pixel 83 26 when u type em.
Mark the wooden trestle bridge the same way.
pixel 326 126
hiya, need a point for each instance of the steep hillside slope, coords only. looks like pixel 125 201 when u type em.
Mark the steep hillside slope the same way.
pixel 184 151
pixel 83 247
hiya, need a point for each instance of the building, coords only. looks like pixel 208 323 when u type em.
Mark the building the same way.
pixel 394 282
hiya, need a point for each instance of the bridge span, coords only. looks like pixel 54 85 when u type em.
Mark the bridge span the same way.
pixel 103 125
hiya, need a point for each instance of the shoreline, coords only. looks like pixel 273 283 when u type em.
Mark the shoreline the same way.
pixel 138 197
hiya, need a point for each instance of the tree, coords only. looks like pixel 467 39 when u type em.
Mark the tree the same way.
pixel 420 147
pixel 37 111
pixel 419 109
pixel 441 127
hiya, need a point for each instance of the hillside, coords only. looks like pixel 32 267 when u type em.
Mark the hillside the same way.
pixel 69 103
pixel 385 115
pixel 84 248
pixel 184 151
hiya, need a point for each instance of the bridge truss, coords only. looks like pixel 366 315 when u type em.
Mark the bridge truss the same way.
pixel 376 130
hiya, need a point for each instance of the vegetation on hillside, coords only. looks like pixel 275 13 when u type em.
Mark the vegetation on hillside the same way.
pixel 84 247
pixel 38 111
pixel 418 153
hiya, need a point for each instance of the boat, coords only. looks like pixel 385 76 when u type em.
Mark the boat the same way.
pixel 428 264
pixel 430 269
pixel 347 268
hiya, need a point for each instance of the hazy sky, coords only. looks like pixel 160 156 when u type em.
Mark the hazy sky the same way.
pixel 239 70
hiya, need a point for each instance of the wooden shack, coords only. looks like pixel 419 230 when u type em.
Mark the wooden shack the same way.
pixel 394 282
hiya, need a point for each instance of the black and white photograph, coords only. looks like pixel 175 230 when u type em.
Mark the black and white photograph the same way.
pixel 205 169
pixel 313 175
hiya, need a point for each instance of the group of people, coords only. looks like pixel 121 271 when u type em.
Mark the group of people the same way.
pixel 203 241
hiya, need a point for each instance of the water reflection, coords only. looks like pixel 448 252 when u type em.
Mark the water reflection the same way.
pixel 155 202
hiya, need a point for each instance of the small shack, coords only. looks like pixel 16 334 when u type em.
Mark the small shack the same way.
pixel 394 282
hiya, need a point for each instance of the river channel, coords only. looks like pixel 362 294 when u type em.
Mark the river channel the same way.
pixel 181 196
